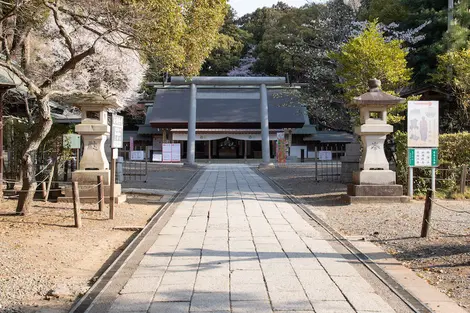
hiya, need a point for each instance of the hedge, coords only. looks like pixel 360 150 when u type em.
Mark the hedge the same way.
pixel 454 151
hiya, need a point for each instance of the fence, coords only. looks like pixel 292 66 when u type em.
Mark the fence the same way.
pixel 325 164
pixel 134 169
pixel 449 181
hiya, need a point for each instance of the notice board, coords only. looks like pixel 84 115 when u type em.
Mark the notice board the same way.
pixel 171 152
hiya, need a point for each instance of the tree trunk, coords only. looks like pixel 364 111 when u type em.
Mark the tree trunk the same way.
pixel 40 131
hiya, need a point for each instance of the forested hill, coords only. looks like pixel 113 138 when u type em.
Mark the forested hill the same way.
pixel 307 44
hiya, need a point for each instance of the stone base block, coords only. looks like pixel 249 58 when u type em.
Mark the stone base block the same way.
pixel 371 177
pixel 375 199
pixel 119 199
pixel 347 170
pixel 89 177
pixel 89 194
pixel 375 190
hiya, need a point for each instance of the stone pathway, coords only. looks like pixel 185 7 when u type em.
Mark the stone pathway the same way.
pixel 234 245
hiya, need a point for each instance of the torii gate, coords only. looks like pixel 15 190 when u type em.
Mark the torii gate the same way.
pixel 256 83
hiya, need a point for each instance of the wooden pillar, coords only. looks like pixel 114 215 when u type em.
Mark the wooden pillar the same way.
pixel 290 139
pixel 210 149
pixel 246 150
pixel 164 135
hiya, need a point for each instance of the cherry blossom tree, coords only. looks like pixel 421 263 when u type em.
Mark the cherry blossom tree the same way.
pixel 63 47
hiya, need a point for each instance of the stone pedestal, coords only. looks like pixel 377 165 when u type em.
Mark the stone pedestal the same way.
pixel 374 181
pixel 350 162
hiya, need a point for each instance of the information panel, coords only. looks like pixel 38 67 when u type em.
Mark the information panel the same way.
pixel 117 131
pixel 71 141
pixel 423 124
pixel 137 155
pixel 171 152
pixel 325 155
pixel 423 157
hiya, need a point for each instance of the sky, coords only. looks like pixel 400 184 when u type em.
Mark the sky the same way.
pixel 248 6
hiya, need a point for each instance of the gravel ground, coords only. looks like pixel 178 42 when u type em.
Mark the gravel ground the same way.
pixel 43 252
pixel 163 176
pixel 442 259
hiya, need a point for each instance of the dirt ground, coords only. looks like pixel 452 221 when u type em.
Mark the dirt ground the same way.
pixel 442 259
pixel 43 251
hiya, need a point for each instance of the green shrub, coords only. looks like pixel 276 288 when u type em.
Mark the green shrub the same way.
pixel 454 151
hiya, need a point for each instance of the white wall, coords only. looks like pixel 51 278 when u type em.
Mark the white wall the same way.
pixel 295 151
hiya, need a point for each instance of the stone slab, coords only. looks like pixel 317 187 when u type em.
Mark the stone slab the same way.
pixel 89 176
pixel 371 177
pixel 375 190
pixel 352 200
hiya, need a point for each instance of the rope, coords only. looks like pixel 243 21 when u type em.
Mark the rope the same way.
pixel 90 188
pixel 448 209
pixel 444 232
pixel 47 165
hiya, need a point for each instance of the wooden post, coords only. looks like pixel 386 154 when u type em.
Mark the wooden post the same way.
pixel 49 183
pixel 111 188
pixel 427 214
pixel 44 190
pixel 463 179
pixel 100 192
pixel 76 205
pixel 316 163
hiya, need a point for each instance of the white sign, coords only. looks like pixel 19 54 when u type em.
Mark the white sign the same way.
pixel 117 131
pixel 171 152
pixel 115 154
pixel 325 155
pixel 157 157
pixel 137 155
pixel 423 124
pixel 281 136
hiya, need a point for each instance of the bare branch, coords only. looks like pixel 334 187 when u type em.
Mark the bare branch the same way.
pixel 69 65
pixel 17 44
pixel 28 82
pixel 12 11
pixel 6 49
pixel 63 32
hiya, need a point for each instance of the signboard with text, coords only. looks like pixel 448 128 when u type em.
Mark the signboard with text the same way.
pixel 423 157
pixel 71 141
pixel 423 124
pixel 137 155
pixel 171 152
pixel 325 155
pixel 117 131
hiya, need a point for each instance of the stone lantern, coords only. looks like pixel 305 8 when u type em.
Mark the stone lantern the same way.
pixel 94 131
pixel 374 181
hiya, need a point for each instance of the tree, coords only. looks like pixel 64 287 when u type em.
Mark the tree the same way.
pixel 50 44
pixel 232 43
pixel 331 29
pixel 370 56
pixel 453 72
pixel 386 11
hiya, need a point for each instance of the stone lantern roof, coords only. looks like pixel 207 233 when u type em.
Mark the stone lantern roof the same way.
pixel 376 97
pixel 94 100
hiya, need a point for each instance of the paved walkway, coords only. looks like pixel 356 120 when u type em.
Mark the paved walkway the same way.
pixel 234 245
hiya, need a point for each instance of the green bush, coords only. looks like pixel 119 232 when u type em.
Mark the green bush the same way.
pixel 454 151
